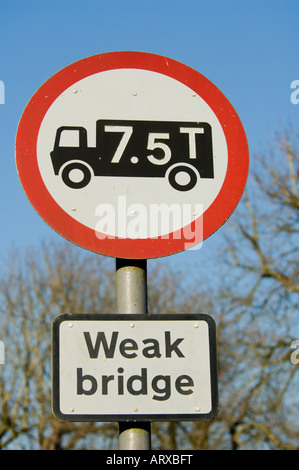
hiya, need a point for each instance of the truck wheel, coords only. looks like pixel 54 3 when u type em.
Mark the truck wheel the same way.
pixel 182 178
pixel 76 175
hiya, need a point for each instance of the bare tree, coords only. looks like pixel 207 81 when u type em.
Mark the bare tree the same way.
pixel 261 252
pixel 36 287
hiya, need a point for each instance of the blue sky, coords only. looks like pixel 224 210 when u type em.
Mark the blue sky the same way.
pixel 248 49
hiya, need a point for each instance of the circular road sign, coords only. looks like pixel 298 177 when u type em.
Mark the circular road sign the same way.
pixel 132 155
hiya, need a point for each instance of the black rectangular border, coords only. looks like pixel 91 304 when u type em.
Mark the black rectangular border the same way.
pixel 131 317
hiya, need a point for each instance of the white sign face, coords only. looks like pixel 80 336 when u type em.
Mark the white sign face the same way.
pixel 134 121
pixel 134 367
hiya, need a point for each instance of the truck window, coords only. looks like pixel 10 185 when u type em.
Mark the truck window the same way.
pixel 69 138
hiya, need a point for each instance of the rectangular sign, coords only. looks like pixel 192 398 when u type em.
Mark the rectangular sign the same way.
pixel 134 367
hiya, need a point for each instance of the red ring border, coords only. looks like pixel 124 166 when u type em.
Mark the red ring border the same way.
pixel 36 191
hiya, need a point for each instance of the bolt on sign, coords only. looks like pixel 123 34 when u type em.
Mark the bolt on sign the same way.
pixel 132 155
pixel 134 367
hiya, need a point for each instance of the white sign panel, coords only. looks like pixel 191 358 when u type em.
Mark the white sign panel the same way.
pixel 134 367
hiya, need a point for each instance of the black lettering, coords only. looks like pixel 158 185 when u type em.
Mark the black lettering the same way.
pixel 120 381
pixel 142 379
pixel 83 378
pixel 184 381
pixel 169 348
pixel 105 380
pixel 128 345
pixel 155 348
pixel 165 390
pixel 101 339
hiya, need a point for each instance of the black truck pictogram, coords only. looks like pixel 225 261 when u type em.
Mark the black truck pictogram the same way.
pixel 180 151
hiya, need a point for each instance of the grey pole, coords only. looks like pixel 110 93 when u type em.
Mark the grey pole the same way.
pixel 131 297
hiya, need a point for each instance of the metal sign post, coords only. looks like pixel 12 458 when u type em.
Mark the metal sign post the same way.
pixel 131 297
